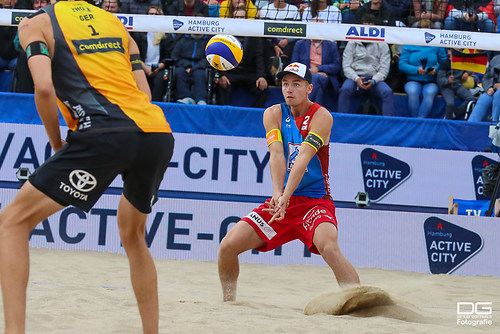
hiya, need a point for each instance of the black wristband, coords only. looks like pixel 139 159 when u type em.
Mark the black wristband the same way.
pixel 136 62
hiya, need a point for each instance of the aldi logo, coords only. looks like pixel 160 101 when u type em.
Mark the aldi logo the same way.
pixel 478 164
pixel 127 20
pixel 364 33
pixel 448 245
pixel 382 173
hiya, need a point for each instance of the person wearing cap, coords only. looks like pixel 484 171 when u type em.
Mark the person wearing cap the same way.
pixel 301 207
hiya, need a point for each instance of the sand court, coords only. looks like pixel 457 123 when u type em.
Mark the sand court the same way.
pixel 90 292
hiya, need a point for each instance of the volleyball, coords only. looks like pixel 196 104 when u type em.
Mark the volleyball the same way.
pixel 224 52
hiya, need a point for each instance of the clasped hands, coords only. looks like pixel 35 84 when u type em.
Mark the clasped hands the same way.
pixel 277 206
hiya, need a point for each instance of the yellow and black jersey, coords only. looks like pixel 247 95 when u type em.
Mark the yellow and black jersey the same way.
pixel 92 73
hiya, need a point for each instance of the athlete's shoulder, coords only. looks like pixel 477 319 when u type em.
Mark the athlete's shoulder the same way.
pixel 34 25
pixel 322 116
pixel 273 111
pixel 34 18
pixel 323 112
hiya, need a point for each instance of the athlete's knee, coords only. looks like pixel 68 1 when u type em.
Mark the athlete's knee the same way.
pixel 330 250
pixel 228 246
pixel 132 236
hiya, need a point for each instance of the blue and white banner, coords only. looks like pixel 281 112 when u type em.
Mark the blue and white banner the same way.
pixel 213 181
pixel 297 29
pixel 192 229
pixel 237 169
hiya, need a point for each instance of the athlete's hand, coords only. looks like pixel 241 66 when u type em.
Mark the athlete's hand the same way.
pixel 58 146
pixel 273 203
pixel 283 203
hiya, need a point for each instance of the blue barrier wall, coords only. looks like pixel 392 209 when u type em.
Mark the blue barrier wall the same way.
pixel 247 122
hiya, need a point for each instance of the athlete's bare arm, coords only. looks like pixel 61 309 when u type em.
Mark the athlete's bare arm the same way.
pixel 31 30
pixel 277 162
pixel 140 76
pixel 321 124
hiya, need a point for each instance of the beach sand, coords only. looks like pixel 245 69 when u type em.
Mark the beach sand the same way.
pixel 90 292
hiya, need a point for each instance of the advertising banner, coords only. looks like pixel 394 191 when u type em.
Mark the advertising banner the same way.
pixel 296 29
pixel 192 229
pixel 235 168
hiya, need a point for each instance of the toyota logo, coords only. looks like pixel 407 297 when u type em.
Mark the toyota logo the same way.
pixel 82 180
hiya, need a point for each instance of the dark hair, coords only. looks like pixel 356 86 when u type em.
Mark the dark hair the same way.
pixel 231 9
pixel 368 18
pixel 315 7
pixel 102 3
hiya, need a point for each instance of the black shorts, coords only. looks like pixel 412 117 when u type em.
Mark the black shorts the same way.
pixel 84 168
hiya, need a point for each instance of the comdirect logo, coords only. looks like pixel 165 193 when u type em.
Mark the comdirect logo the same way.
pixel 127 21
pixel 474 313
pixel 449 245
pixel 177 24
pixel 478 164
pixel 429 37
pixel 366 33
pixel 284 29
pixel 17 17
pixel 95 45
pixel 382 173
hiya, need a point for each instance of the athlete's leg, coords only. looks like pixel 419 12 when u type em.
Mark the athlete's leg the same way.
pixel 131 223
pixel 325 240
pixel 239 239
pixel 28 208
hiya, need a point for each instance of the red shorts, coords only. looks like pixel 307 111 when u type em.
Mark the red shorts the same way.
pixel 302 217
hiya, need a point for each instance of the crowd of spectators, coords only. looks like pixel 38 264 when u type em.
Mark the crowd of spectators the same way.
pixel 363 71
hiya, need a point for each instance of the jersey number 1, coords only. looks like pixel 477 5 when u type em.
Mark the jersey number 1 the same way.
pixel 94 33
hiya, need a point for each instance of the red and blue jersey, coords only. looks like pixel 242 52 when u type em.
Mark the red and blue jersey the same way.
pixel 314 183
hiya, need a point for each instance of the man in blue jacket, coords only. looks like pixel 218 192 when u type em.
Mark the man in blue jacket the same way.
pixel 324 61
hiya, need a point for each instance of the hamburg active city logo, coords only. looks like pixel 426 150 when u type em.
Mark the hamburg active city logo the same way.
pixel 448 245
pixel 479 162
pixel 177 24
pixel 429 37
pixel 382 173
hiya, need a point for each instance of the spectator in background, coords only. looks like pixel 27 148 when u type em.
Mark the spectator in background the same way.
pixel 378 8
pixel 323 10
pixel 348 9
pixel 279 10
pixel 190 69
pixel 421 63
pixel 401 10
pixel 187 8
pixel 323 60
pixel 470 15
pixel 138 6
pixel 8 51
pixel 228 8
pixel 213 7
pixel 112 6
pixel 278 51
pixel 434 10
pixel 250 73
pixel 155 49
pixel 366 66
pixel 496 10
pixel 489 102
pixel 450 84
pixel 22 81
